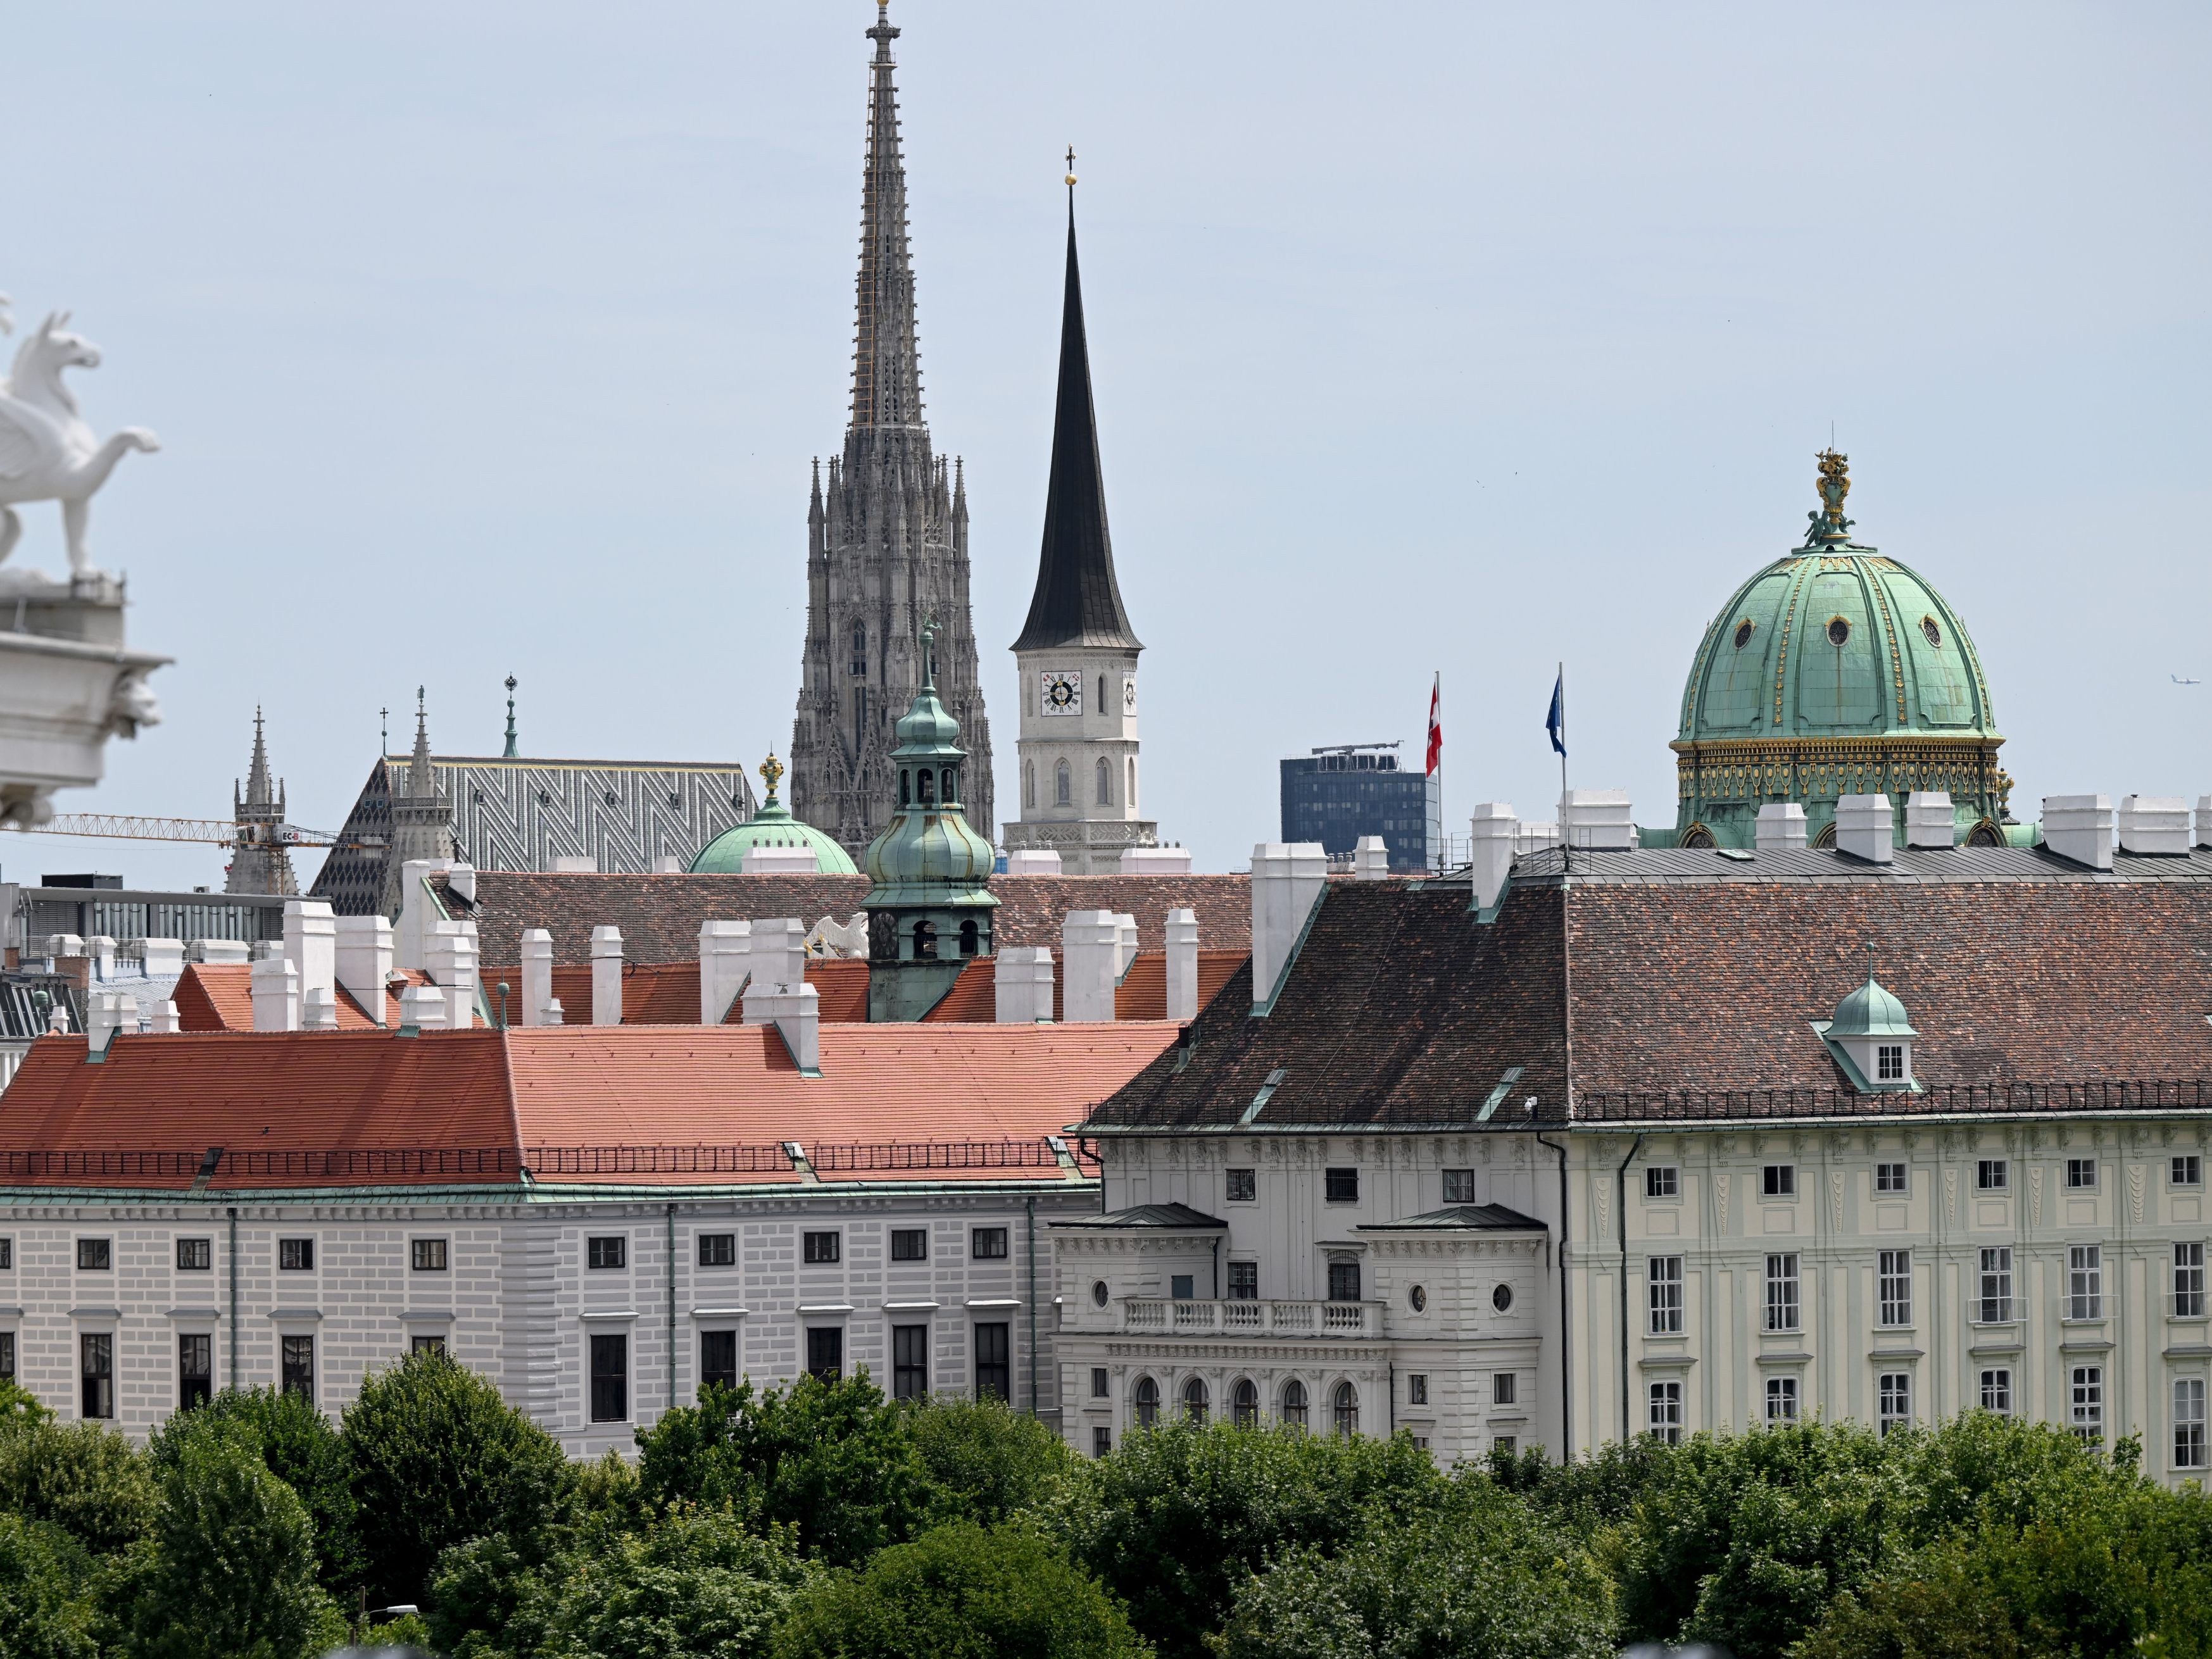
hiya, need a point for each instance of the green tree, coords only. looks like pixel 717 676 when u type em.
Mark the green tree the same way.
pixel 302 1449
pixel 439 1458
pixel 961 1592
pixel 83 1477
pixel 45 1612
pixel 988 1461
pixel 695 1585
pixel 230 1572
pixel 834 1458
pixel 1174 1520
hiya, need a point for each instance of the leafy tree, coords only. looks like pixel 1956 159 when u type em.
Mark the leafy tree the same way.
pixel 988 1461
pixel 230 1572
pixel 439 1458
pixel 1174 1520
pixel 45 1611
pixel 959 1592
pixel 834 1458
pixel 18 1409
pixel 84 1477
pixel 692 1585
pixel 302 1448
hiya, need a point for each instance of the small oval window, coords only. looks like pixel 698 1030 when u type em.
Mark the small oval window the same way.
pixel 1502 1298
pixel 1743 631
pixel 1418 1297
pixel 1839 630
pixel 1098 1292
pixel 1935 633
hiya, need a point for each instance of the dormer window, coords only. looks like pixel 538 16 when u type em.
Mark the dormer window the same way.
pixel 1871 1039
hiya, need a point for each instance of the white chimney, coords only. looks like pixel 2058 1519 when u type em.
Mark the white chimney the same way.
pixel 1090 950
pixel 2154 824
pixel 1930 820
pixel 101 949
pixel 462 879
pixel 311 944
pixel 1125 948
pixel 1021 981
pixel 2205 820
pixel 2079 828
pixel 165 1018
pixel 1781 827
pixel 780 861
pixel 319 1009
pixel 554 1013
pixel 536 976
pixel 1865 826
pixel 1598 820
pixel 164 957
pixel 575 864
pixel 1491 853
pixel 361 953
pixel 725 957
pixel 668 865
pixel 275 995
pixel 1370 858
pixel 778 957
pixel 451 959
pixel 417 909
pixel 1033 861
pixel 1182 964
pixel 607 975
pixel 423 1007
pixel 107 1012
pixel 229 952
pixel 1138 861
pixel 1287 879
pixel 795 1011
pixel 67 945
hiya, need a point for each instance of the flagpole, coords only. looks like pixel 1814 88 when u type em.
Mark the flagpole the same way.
pixel 1436 717
pixel 1566 838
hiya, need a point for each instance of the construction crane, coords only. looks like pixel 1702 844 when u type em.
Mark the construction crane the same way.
pixel 117 826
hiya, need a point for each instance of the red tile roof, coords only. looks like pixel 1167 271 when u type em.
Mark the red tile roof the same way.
pixel 218 996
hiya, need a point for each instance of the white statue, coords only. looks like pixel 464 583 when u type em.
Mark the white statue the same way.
pixel 46 450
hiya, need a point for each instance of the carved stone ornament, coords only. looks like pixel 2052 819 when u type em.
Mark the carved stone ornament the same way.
pixel 47 451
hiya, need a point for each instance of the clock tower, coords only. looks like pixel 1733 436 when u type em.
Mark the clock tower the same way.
pixel 1076 660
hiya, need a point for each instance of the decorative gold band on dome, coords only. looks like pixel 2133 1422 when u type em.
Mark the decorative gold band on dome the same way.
pixel 1822 768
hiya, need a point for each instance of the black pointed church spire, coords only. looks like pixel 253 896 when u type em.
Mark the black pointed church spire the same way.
pixel 1077 602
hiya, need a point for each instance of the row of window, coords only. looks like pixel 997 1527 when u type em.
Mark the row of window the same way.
pixel 1991 1175
pixel 97 1255
pixel 1994 1303
pixel 1291 1406
pixel 1063 782
pixel 195 1368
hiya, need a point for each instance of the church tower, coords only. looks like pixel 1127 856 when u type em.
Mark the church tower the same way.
pixel 1077 657
pixel 887 538
pixel 259 862
pixel 422 818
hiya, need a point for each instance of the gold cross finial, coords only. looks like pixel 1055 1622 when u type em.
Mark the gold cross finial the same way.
pixel 1071 166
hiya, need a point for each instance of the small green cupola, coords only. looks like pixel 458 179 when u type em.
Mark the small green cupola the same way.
pixel 1871 1039
pixel 929 910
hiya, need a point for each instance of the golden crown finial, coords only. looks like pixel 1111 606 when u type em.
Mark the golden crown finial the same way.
pixel 771 773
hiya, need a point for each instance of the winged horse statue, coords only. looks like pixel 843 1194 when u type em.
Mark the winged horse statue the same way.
pixel 46 450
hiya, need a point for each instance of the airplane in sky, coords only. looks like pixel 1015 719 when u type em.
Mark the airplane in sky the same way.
pixel 2178 680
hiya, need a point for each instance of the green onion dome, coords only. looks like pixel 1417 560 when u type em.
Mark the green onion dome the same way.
pixel 772 826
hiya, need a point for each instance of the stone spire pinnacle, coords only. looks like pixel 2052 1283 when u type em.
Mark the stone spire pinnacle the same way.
pixel 258 861
pixel 420 779
pixel 1077 602
pixel 511 752
pixel 258 791
pixel 887 359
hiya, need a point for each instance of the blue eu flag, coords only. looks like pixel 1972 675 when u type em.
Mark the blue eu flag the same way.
pixel 1556 721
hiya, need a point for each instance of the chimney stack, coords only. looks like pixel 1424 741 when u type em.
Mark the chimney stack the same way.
pixel 422 1008
pixel 2155 824
pixel 1781 827
pixel 1491 835
pixel 1865 826
pixel 1598 820
pixel 416 911
pixel 778 957
pixel 537 977
pixel 2205 820
pixel 319 1009
pixel 2079 828
pixel 795 1010
pixel 362 960
pixel 1930 820
pixel 275 995
pixel 1287 881
pixel 311 945
pixel 1021 983
pixel 165 1018
pixel 1091 953
pixel 1142 861
pixel 449 958
pixel 725 957
pixel 1370 858
pixel 780 861
pixel 1182 964
pixel 105 1013
pixel 607 975
pixel 164 957
pixel 1032 861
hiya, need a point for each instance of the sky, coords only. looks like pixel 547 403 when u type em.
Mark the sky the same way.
pixel 1458 339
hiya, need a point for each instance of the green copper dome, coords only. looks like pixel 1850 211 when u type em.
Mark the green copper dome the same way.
pixel 1834 671
pixel 928 855
pixel 1870 1012
pixel 772 826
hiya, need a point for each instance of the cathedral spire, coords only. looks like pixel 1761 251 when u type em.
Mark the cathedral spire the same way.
pixel 419 779
pixel 1077 602
pixel 258 790
pixel 887 360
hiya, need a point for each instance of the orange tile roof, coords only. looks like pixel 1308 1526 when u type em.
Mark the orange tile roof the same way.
pixel 667 993
pixel 1142 993
pixel 218 996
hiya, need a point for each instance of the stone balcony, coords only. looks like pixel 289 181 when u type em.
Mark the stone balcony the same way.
pixel 1302 1320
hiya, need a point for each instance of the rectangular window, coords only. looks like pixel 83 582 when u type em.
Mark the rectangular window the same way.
pixel 1663 1290
pixel 1889 1178
pixel 1504 1444
pixel 95 1255
pixel 1459 1187
pixel 1501 1389
pixel 820 1249
pixel 2189 1423
pixel 1243 1281
pixel 1665 1418
pixel 1892 1401
pixel 1997 1390
pixel 609 1379
pixel 2085 1281
pixel 1098 1384
pixel 2188 1280
pixel 825 1352
pixel 1417 1388
pixel 1183 1287
pixel 909 1362
pixel 2187 1170
pixel 6 1356
pixel 1662 1181
pixel 427 1255
pixel 1895 1286
pixel 2080 1173
pixel 1243 1185
pixel 1344 1281
pixel 987 1244
pixel 1782 1292
pixel 1101 1441
pixel 6 1253
pixel 1991 1175
pixel 609 1252
pixel 2087 1402
pixel 195 1256
pixel 911 1244
pixel 1341 1186
pixel 720 1249
pixel 718 1359
pixel 1779 1180
pixel 195 1370
pixel 1889 1062
pixel 299 1367
pixel 296 1256
pixel 1994 1306
pixel 993 1362
pixel 96 1359
pixel 1782 1399
pixel 426 1344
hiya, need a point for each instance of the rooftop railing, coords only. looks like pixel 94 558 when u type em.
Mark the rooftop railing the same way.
pixel 2103 1096
pixel 1185 1317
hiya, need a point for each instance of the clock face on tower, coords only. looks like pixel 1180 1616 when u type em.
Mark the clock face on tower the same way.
pixel 1129 695
pixel 1063 692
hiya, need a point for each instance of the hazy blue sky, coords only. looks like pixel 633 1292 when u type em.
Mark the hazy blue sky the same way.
pixel 491 338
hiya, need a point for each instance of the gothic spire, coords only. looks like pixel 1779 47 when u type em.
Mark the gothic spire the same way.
pixel 513 751
pixel 1077 602
pixel 887 360
pixel 420 781
pixel 259 792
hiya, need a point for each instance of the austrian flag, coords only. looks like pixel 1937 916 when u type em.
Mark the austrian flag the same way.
pixel 1436 726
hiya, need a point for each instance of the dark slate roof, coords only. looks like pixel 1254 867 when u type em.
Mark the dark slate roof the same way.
pixel 1484 1218
pixel 1077 602
pixel 1174 1217
pixel 1910 865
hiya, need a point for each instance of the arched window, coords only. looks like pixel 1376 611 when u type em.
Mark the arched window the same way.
pixel 1244 1403
pixel 1063 785
pixel 1294 1403
pixel 1193 1402
pixel 1147 1402
pixel 859 650
pixel 948 782
pixel 1132 783
pixel 1344 1408
pixel 906 785
pixel 1102 694
pixel 1105 782
pixel 968 938
pixel 925 941
pixel 921 787
pixel 1029 783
